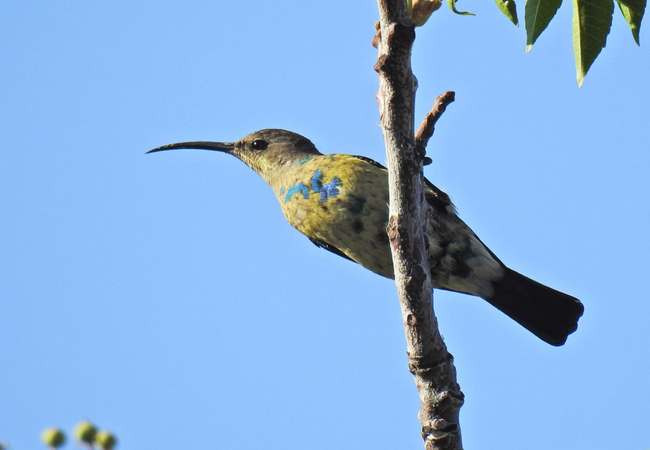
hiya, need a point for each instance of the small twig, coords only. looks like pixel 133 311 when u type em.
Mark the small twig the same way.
pixel 377 38
pixel 428 125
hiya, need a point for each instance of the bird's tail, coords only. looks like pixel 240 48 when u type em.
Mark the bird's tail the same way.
pixel 547 313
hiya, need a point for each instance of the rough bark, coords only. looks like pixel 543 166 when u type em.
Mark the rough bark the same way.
pixel 429 362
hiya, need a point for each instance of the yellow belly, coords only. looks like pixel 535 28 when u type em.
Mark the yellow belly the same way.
pixel 341 200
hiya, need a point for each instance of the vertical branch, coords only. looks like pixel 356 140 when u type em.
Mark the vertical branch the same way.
pixel 429 362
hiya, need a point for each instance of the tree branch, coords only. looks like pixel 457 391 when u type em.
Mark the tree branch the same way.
pixel 428 125
pixel 429 362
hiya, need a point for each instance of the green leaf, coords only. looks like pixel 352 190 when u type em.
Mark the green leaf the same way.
pixel 508 8
pixel 538 15
pixel 592 20
pixel 452 5
pixel 633 12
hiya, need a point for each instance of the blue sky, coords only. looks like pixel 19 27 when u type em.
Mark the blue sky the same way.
pixel 165 298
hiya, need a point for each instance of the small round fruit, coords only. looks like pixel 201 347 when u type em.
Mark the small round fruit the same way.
pixel 53 437
pixel 85 432
pixel 105 440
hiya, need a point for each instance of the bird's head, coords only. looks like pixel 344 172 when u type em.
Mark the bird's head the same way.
pixel 263 151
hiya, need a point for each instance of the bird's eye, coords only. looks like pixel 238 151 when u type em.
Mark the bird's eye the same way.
pixel 259 144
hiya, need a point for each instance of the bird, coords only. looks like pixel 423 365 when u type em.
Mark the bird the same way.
pixel 340 203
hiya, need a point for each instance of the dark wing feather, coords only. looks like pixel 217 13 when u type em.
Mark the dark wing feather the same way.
pixel 438 199
pixel 370 161
pixel 331 248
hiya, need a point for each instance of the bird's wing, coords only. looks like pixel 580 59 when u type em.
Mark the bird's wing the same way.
pixel 370 161
pixel 435 197
pixel 331 248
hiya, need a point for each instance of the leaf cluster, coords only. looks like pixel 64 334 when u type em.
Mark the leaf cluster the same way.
pixel 592 21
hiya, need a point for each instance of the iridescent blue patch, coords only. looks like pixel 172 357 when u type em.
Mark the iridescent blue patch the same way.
pixel 325 190
pixel 329 190
pixel 317 181
pixel 295 189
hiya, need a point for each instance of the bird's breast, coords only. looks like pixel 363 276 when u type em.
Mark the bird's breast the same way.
pixel 342 201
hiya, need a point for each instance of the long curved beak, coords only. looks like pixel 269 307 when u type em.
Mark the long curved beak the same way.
pixel 226 147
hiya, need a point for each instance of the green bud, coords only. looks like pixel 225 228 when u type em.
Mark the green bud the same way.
pixel 53 437
pixel 105 440
pixel 85 432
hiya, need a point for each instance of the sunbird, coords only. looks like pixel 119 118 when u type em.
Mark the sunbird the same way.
pixel 340 202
